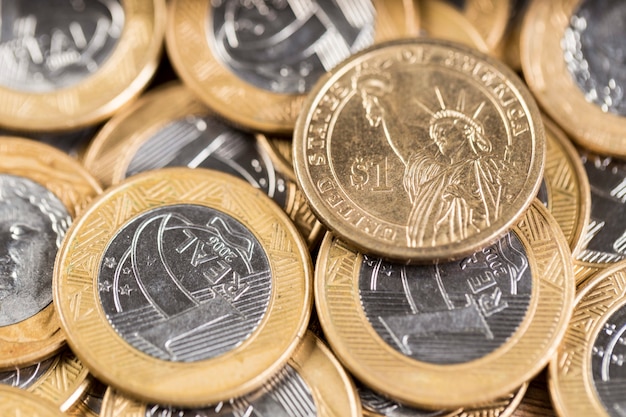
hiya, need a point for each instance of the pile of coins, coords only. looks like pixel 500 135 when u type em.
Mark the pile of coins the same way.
pixel 322 208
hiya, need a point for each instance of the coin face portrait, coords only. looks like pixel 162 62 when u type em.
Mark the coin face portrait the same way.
pixel 33 222
pixel 285 46
pixel 449 313
pixel 184 283
pixel 46 46
pixel 595 57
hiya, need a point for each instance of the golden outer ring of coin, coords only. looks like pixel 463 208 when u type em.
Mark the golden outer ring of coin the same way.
pixel 120 79
pixel 112 360
pixel 119 140
pixel 64 382
pixel 571 385
pixel 443 21
pixel 569 193
pixel 40 336
pixel 310 129
pixel 333 391
pixel 490 18
pixel 433 386
pixel 15 402
pixel 548 78
pixel 226 93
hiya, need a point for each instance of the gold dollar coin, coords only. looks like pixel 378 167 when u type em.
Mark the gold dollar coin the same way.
pixel 587 373
pixel 254 65
pixel 572 63
pixel 72 64
pixel 452 334
pixel 181 273
pixel 312 384
pixel 15 402
pixel 41 191
pixel 170 127
pixel 419 150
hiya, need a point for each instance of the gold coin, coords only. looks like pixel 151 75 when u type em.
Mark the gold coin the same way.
pixel 419 150
pixel 587 373
pixel 257 72
pixel 564 56
pixel 90 403
pixel 176 274
pixel 312 384
pixel 490 18
pixel 170 127
pixel 441 20
pixel 60 380
pixel 41 191
pixel 78 66
pixel 565 189
pixel 455 334
pixel 15 402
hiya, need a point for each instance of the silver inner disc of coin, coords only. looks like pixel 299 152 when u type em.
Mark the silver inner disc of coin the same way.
pixel 608 363
pixel 453 312
pixel 28 375
pixel 206 142
pixel 284 46
pixel 284 395
pixel 33 222
pixel 184 282
pixel 605 236
pixel 386 407
pixel 46 45
pixel 595 52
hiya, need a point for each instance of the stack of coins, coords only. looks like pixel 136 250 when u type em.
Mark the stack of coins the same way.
pixel 312 208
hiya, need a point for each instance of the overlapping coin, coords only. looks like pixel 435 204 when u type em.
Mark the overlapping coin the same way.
pixel 15 402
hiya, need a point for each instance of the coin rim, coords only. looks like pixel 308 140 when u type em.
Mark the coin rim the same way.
pixel 15 398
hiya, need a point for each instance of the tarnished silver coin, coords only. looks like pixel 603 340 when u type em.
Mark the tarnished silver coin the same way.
pixel 46 46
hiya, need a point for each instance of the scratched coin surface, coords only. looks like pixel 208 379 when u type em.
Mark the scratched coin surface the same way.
pixel 41 190
pixel 484 324
pixel 191 272
pixel 587 375
pixel 170 127
pixel 312 384
pixel 253 63
pixel 15 402
pixel 68 63
pixel 419 150
pixel 574 64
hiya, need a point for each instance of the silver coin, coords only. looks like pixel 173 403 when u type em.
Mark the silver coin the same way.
pixel 71 142
pixel 284 395
pixel 595 52
pixel 605 237
pixel 26 376
pixel 284 46
pixel 33 222
pixel 386 407
pixel 184 282
pixel 453 312
pixel 608 362
pixel 206 142
pixel 46 45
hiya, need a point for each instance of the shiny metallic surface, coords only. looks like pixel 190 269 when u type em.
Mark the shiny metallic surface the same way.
pixel 184 282
pixel 33 222
pixel 206 142
pixel 595 56
pixel 376 403
pixel 453 312
pixel 285 46
pixel 284 395
pixel 52 44
pixel 26 376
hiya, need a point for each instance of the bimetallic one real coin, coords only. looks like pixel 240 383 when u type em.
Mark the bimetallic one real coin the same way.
pixel 15 402
pixel 565 187
pixel 176 274
pixel 573 61
pixel 90 403
pixel 253 63
pixel 489 17
pixel 587 375
pixel 60 380
pixel 452 334
pixel 41 191
pixel 170 127
pixel 312 384
pixel 67 64
pixel 419 150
